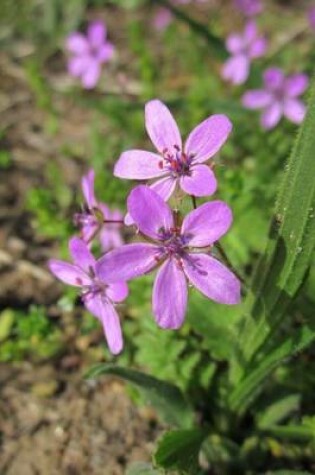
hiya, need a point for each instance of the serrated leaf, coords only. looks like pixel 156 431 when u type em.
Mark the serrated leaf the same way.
pixel 180 449
pixel 165 397
pixel 251 385
pixel 283 266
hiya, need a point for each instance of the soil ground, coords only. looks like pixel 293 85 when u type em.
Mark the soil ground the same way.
pixel 51 420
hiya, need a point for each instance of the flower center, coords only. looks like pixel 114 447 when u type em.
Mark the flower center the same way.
pixel 173 243
pixel 176 161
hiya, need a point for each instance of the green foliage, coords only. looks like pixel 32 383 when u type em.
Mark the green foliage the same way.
pixel 180 449
pixel 30 334
pixel 283 266
pixel 166 397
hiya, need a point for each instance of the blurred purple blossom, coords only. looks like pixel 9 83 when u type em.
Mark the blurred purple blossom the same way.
pixel 162 18
pixel 278 98
pixel 249 7
pixel 311 17
pixel 91 219
pixel 97 295
pixel 88 53
pixel 243 48
pixel 175 164
pixel 170 248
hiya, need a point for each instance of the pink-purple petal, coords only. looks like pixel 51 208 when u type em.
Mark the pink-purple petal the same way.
pixel 164 187
pixel 81 255
pixel 236 69
pixel 77 65
pixel 250 31
pixel 271 116
pixel 76 43
pixel 127 262
pixel 96 33
pixel 161 126
pixel 117 292
pixel 112 328
pixel 273 78
pixel 205 140
pixel 149 211
pixel 91 74
pixel 87 184
pixel 170 296
pixel 234 43
pixel 257 99
pixel 207 224
pixel 69 273
pixel 294 110
pixel 258 48
pixel 212 279
pixel 139 165
pixel 200 182
pixel 296 84
pixel 105 52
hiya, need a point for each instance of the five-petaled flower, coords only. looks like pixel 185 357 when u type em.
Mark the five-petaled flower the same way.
pixel 176 164
pixel 278 97
pixel 92 220
pixel 243 48
pixel 249 7
pixel 171 248
pixel 88 53
pixel 97 295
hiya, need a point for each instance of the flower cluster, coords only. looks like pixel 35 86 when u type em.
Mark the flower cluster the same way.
pixel 280 93
pixel 178 247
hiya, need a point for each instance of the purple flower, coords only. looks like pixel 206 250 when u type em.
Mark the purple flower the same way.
pixel 311 17
pixel 162 18
pixel 243 48
pixel 171 247
pixel 176 164
pixel 91 220
pixel 97 295
pixel 249 7
pixel 88 53
pixel 278 97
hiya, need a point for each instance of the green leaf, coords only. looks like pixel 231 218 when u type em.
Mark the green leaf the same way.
pixel 248 388
pixel 298 433
pixel 179 449
pixel 278 411
pixel 283 267
pixel 6 323
pixel 165 397
pixel 215 323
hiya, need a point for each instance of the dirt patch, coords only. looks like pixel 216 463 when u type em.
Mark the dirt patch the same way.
pixel 85 427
